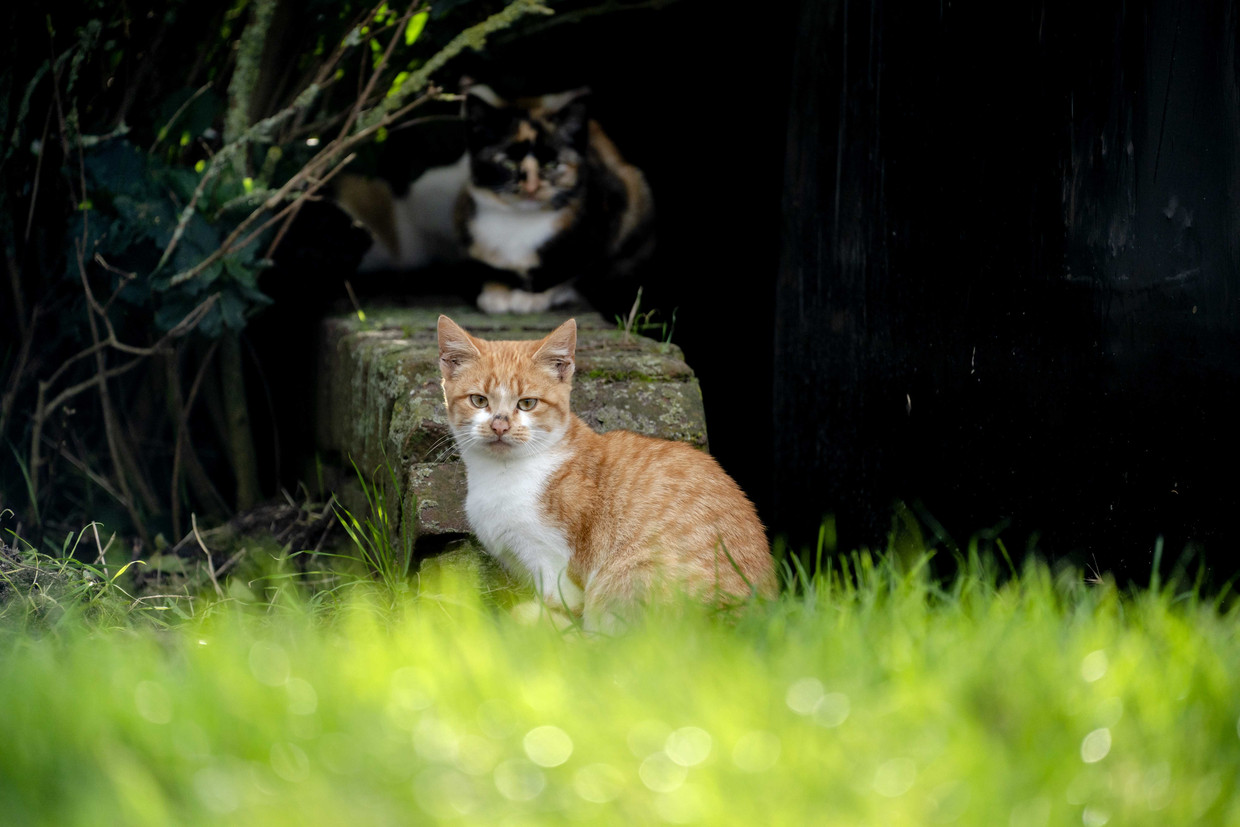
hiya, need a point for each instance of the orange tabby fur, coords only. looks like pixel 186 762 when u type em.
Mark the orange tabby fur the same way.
pixel 599 522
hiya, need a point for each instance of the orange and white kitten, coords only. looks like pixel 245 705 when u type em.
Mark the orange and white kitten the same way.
pixel 599 523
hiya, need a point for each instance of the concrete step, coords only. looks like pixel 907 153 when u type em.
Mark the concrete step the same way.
pixel 380 400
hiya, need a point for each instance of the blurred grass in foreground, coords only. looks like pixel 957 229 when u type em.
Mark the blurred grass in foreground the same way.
pixel 872 695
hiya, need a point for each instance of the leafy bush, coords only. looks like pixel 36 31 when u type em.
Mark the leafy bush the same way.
pixel 155 156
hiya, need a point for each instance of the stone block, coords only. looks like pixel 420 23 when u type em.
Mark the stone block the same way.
pixel 379 399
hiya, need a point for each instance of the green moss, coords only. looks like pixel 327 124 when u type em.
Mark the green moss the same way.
pixel 619 376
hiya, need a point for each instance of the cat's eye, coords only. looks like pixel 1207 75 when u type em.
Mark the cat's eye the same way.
pixel 478 400
pixel 527 404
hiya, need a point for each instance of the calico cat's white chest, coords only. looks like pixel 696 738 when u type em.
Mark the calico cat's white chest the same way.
pixel 509 238
pixel 504 504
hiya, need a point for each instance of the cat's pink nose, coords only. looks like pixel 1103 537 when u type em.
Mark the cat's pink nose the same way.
pixel 500 425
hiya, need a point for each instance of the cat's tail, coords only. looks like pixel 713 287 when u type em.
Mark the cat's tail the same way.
pixel 411 230
pixel 371 205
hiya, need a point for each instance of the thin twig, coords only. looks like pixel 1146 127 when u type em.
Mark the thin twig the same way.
pixel 188 323
pixel 187 214
pixel 288 222
pixel 152 47
pixel 360 103
pixel 193 521
pixel 313 187
pixel 38 169
pixel 111 431
pixel 181 428
pixel 103 561
pixel 578 15
pixel 86 470
pixel 357 307
pixel 324 76
pixel 63 131
pixel 230 562
pixel 163 133
pixel 44 408
pixel 23 357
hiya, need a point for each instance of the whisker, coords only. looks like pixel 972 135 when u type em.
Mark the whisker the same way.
pixel 442 448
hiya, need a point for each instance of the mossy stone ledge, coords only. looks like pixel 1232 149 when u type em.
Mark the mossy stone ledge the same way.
pixel 379 400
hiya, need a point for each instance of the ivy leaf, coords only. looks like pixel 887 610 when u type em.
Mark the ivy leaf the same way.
pixel 150 218
pixel 209 275
pixel 136 292
pixel 232 310
pixel 116 167
pixel 241 271
pixel 170 314
pixel 212 323
pixel 255 296
pixel 199 240
pixel 182 182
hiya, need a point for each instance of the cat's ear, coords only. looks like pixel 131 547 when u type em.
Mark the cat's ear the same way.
pixel 456 347
pixel 569 111
pixel 483 110
pixel 557 350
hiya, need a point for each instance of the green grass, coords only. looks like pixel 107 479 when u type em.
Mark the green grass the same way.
pixel 873 695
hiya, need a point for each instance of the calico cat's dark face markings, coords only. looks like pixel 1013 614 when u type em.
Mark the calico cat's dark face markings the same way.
pixel 529 153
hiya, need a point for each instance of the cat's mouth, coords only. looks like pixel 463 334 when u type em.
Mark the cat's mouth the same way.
pixel 527 200
pixel 499 444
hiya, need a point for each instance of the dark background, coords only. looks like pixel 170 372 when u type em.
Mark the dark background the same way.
pixel 977 258
pixel 1007 291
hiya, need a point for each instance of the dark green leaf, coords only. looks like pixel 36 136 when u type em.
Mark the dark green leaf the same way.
pixel 232 308
pixel 116 167
pixel 150 217
pixel 199 240
pixel 241 271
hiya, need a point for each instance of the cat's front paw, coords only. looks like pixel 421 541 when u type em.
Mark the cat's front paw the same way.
pixel 494 298
pixel 523 302
pixel 497 298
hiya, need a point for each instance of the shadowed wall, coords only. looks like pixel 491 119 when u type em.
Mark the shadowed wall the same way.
pixel 1008 282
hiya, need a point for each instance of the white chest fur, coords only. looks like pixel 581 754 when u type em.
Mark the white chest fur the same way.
pixel 508 237
pixel 504 507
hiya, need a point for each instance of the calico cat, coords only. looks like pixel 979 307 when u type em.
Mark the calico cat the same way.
pixel 599 523
pixel 541 199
